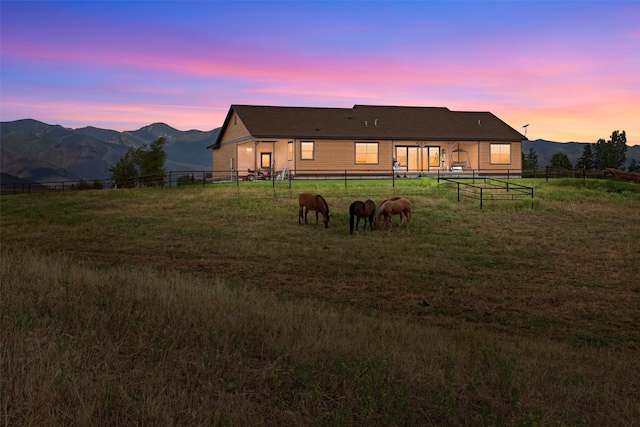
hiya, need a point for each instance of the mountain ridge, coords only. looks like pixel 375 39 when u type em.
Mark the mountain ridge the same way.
pixel 41 152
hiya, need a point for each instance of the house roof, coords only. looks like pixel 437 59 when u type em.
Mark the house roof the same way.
pixel 369 122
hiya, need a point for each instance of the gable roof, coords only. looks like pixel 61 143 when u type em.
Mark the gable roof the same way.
pixel 369 122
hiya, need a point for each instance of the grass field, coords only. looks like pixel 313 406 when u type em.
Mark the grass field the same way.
pixel 213 306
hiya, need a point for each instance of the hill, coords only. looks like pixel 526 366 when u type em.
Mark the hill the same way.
pixel 546 149
pixel 40 152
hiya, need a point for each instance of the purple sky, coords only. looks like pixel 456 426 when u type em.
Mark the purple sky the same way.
pixel 571 70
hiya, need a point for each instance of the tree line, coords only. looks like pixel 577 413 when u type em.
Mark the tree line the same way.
pixel 144 161
pixel 599 156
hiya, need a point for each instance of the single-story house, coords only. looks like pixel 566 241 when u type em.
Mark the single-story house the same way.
pixel 364 139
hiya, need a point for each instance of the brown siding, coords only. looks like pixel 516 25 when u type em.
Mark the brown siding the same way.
pixel 235 130
pixel 220 161
pixel 220 157
pixel 336 156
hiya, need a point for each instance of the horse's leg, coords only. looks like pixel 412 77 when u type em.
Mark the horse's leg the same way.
pixel 300 215
pixel 317 217
pixel 351 224
pixel 306 211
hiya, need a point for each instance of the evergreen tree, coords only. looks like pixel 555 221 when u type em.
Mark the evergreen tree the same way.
pixel 612 153
pixel 586 160
pixel 560 160
pixel 633 166
pixel 530 160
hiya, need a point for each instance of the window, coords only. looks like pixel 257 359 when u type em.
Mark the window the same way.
pixel 434 157
pixel 306 150
pixel 265 160
pixel 500 153
pixel 290 150
pixel 366 153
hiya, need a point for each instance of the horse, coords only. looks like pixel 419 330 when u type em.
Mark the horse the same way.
pixel 613 172
pixel 313 202
pixel 620 174
pixel 359 210
pixel 390 207
pixel 385 200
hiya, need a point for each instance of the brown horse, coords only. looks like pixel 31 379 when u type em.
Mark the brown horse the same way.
pixel 620 174
pixel 359 210
pixel 313 202
pixel 390 207
pixel 613 172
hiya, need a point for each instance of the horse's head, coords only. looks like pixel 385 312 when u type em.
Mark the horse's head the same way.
pixel 379 213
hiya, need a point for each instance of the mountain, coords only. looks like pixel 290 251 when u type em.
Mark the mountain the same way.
pixel 546 149
pixel 40 152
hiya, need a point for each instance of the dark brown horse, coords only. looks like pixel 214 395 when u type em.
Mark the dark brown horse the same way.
pixel 313 202
pixel 359 210
pixel 391 207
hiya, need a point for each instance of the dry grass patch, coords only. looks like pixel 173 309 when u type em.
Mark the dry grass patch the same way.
pixel 128 346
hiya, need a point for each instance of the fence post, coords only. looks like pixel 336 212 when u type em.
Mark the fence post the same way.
pixel 481 197
pixel 345 178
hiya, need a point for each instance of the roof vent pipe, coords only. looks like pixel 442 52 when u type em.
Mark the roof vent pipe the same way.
pixel 479 122
pixel 375 122
pixel 366 124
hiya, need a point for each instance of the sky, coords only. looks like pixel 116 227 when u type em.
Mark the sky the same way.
pixel 568 69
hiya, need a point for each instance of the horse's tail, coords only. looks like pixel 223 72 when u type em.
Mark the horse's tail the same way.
pixel 352 220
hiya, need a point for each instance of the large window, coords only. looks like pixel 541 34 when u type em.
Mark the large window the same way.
pixel 366 153
pixel 290 150
pixel 500 154
pixel 306 150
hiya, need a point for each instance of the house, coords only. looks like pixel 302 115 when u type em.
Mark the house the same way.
pixel 365 139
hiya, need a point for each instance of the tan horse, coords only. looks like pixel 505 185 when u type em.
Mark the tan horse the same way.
pixel 390 207
pixel 392 199
pixel 313 202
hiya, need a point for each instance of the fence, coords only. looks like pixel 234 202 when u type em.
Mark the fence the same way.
pixel 488 189
pixel 178 178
